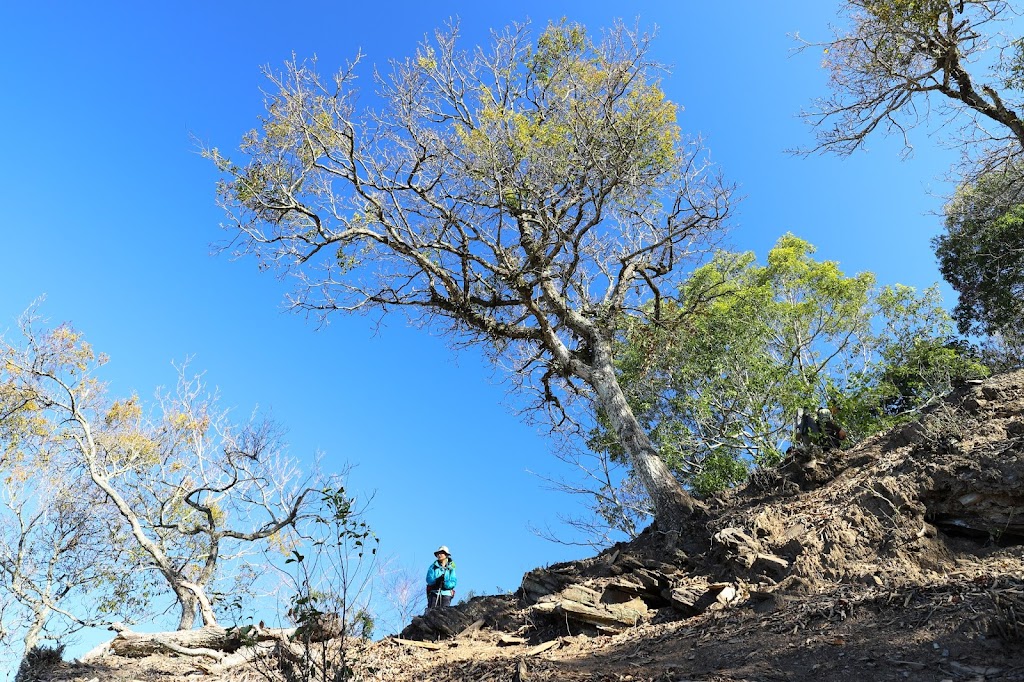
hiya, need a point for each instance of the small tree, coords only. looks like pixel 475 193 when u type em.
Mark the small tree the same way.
pixel 331 575
pixel 55 553
pixel 60 555
pixel 191 490
pixel 402 594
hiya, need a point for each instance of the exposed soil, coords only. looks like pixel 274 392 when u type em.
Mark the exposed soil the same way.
pixel 899 559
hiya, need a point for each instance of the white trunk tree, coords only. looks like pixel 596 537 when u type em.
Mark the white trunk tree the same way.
pixel 523 197
pixel 191 491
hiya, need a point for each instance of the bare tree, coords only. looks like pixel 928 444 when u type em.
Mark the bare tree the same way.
pixel 892 61
pixel 191 490
pixel 55 558
pixel 523 197
pixel 402 594
pixel 615 506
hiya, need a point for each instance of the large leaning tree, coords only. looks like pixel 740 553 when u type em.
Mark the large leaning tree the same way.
pixel 719 391
pixel 523 197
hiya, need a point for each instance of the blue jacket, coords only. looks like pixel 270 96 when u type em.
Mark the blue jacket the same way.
pixel 436 571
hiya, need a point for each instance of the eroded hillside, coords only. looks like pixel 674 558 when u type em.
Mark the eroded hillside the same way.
pixel 901 558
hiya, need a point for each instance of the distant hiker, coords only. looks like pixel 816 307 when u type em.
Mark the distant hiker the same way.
pixel 821 429
pixel 441 579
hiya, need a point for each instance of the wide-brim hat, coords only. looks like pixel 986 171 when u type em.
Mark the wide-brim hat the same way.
pixel 442 548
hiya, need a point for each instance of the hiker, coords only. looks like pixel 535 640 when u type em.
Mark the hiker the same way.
pixel 821 429
pixel 441 579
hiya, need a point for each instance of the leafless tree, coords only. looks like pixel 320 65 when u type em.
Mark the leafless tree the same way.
pixel 523 197
pixel 402 590
pixel 615 505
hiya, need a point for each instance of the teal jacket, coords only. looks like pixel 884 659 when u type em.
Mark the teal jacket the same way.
pixel 436 571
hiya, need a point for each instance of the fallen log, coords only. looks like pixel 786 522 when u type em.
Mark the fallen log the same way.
pixel 241 657
pixel 212 641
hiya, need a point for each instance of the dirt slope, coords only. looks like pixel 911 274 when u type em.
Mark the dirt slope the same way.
pixel 900 559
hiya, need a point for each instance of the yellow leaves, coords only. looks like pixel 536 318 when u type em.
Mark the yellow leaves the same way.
pixel 184 421
pixel 178 420
pixel 555 46
pixel 284 543
pixel 123 412
pixel 38 426
pixel 426 60
pixel 585 105
pixel 923 13
pixel 134 450
pixel 218 514
pixel 66 335
pixel 18 476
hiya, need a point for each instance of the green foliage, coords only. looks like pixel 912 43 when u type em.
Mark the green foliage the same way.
pixel 325 606
pixel 578 116
pixel 921 14
pixel 719 377
pixel 745 346
pixel 981 253
pixel 363 623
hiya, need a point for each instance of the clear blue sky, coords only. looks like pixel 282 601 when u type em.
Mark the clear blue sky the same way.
pixel 108 211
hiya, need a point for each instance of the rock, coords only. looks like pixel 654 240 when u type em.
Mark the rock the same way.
pixel 627 585
pixel 509 640
pixel 692 600
pixel 614 615
pixel 727 595
pixel 580 594
pixel 541 582
pixel 736 546
pixel 770 564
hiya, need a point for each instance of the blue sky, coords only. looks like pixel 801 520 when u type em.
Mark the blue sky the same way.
pixel 109 211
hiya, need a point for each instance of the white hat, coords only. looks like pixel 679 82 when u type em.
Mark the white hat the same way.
pixel 442 548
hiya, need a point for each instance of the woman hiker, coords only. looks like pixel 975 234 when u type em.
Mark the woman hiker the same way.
pixel 441 579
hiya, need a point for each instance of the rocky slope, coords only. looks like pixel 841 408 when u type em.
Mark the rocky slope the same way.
pixel 901 558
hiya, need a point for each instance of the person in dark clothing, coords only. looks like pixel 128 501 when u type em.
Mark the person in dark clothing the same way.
pixel 441 579
pixel 820 428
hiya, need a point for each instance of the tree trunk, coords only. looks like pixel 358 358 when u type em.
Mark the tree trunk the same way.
pixel 191 597
pixel 672 505
pixel 32 636
pixel 187 602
